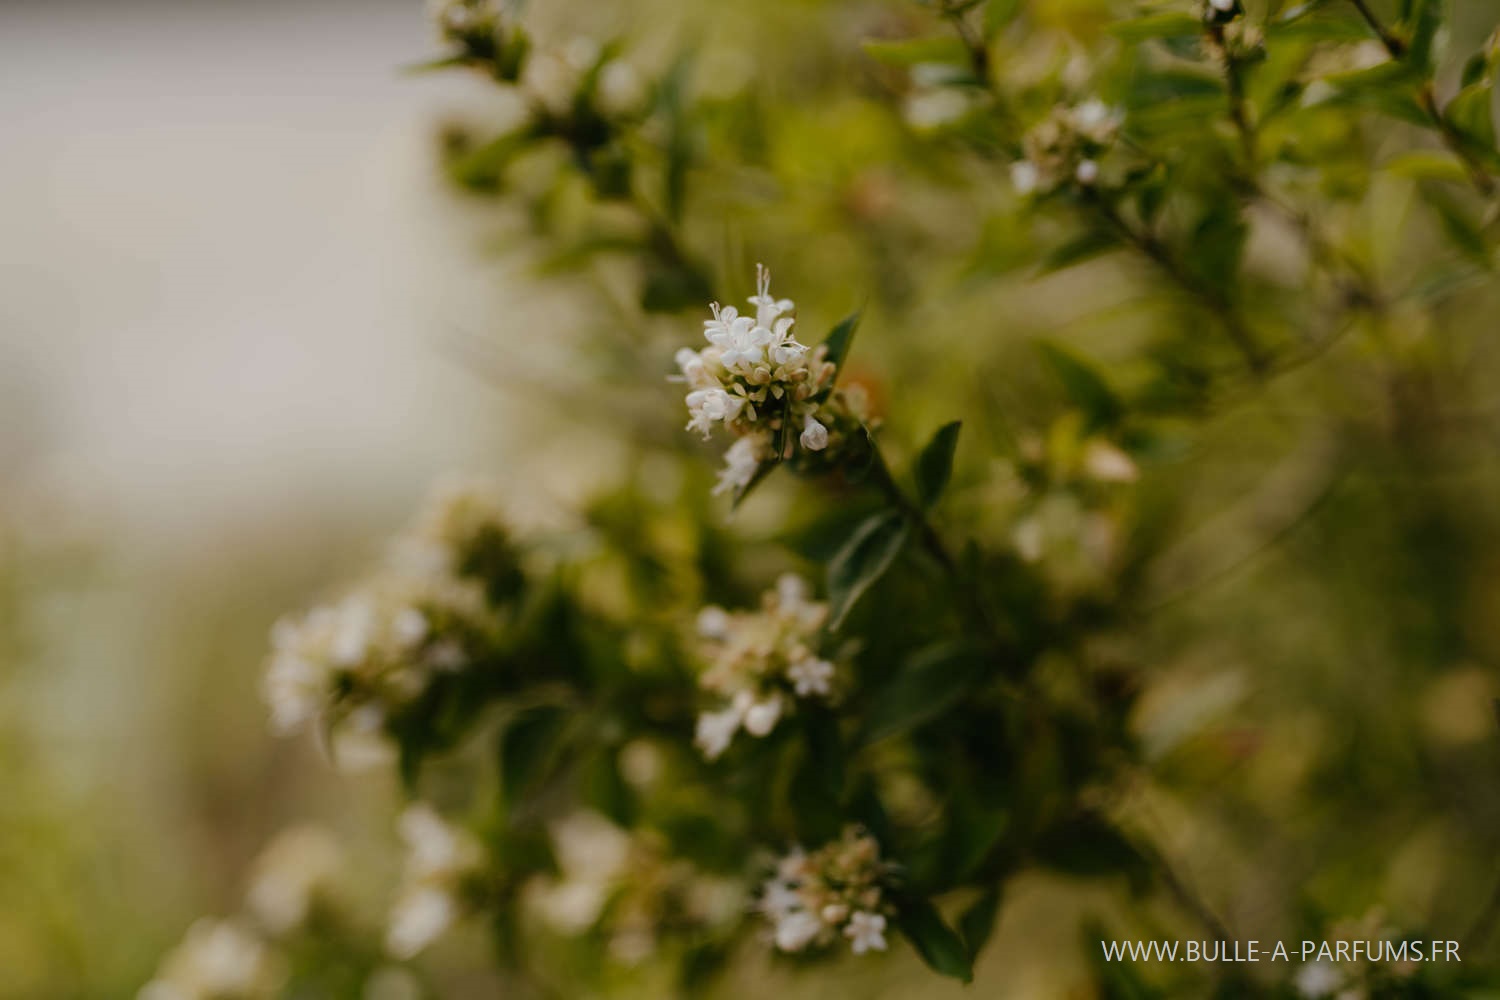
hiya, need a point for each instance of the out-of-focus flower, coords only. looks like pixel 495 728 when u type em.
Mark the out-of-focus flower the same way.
pixel 290 875
pixel 1318 979
pixel 440 859
pixel 1067 148
pixel 838 890
pixel 217 960
pixel 433 608
pixel 759 663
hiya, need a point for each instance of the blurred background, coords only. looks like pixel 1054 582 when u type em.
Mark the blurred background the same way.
pixel 229 271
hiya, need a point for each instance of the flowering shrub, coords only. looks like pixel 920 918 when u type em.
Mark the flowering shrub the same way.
pixel 950 684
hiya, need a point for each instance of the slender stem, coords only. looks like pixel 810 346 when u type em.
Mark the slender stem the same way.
pixel 1150 246
pixel 1238 108
pixel 1426 95
pixel 933 544
pixel 979 52
pixel 1184 894
pixel 1392 42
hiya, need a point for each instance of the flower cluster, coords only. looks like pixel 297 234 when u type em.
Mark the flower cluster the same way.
pixel 217 960
pixel 756 380
pixel 483 33
pixel 1066 148
pixel 836 891
pixel 441 861
pixel 760 662
pixel 428 611
pixel 625 887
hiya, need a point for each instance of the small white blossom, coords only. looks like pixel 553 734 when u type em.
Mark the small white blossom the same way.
pixel 440 858
pixel 866 932
pixel 291 873
pixel 811 676
pixel 838 890
pixel 762 716
pixel 1108 464
pixel 217 960
pixel 814 435
pixel 715 731
pixel 1087 172
pixel 760 662
pixel 1318 979
pixel 1066 147
pixel 797 930
pixel 741 462
pixel 1024 176
pixel 419 918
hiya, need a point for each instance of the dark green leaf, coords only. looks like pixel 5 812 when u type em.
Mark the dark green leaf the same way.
pixel 940 947
pixel 1471 113
pixel 1091 244
pixel 867 554
pixel 840 338
pixel 528 747
pixel 1465 231
pixel 932 681
pixel 935 464
pixel 1087 844
pixel 671 286
pixel 1084 386
pixel 977 923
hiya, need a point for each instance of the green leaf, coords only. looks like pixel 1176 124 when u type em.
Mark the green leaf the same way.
pixel 1084 386
pixel 528 747
pixel 1087 844
pixel 938 944
pixel 977 923
pixel 1089 245
pixel 1463 230
pixel 1164 25
pixel 818 784
pixel 935 464
pixel 1427 164
pixel 932 681
pixel 998 14
pixel 1470 112
pixel 945 48
pixel 671 286
pixel 840 338
pixel 864 558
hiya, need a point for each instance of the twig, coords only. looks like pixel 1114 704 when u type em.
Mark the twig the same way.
pixel 1160 254
pixel 1426 96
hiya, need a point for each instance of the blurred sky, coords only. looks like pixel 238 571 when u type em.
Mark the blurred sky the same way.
pixel 229 270
pixel 223 253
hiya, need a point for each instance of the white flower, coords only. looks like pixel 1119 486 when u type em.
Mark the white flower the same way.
pixel 1222 6
pixel 762 716
pixel 811 676
pixel 1318 979
pixel 1091 114
pixel 419 918
pixel 295 689
pixel 866 932
pixel 217 960
pixel 409 627
pixel 715 730
pixel 713 622
pixel 435 849
pixel 814 435
pixel 355 628
pixel 779 899
pixel 1108 464
pixel 796 930
pixel 1025 177
pixel 741 462
pixel 439 858
pixel 711 406
pixel 290 874
pixel 1087 172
